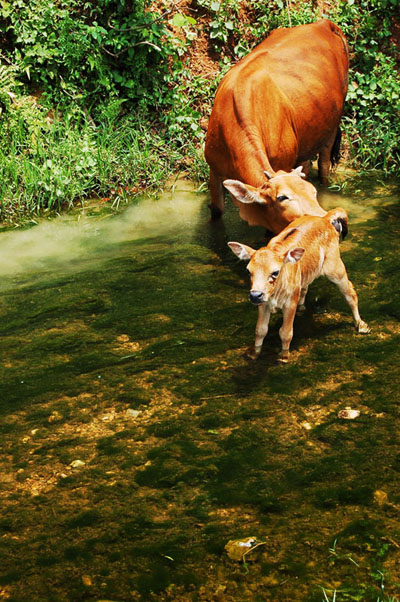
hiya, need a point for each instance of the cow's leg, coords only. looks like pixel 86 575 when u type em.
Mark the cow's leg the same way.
pixel 347 289
pixel 301 304
pixel 324 163
pixel 324 159
pixel 286 330
pixel 217 196
pixel 261 330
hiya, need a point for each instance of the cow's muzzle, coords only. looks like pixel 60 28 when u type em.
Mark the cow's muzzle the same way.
pixel 256 297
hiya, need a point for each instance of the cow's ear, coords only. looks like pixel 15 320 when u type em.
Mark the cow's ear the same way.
pixel 299 171
pixel 242 192
pixel 294 255
pixel 242 251
pixel 269 174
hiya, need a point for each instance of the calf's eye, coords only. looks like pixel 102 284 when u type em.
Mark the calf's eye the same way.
pixel 275 274
pixel 282 197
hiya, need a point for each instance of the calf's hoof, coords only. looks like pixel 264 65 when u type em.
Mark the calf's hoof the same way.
pixel 283 357
pixel 252 354
pixel 363 328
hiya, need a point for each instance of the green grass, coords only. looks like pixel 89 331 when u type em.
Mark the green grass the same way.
pixel 50 165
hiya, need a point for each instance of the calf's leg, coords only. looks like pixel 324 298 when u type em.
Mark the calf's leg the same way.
pixel 301 306
pixel 264 314
pixel 286 330
pixel 347 289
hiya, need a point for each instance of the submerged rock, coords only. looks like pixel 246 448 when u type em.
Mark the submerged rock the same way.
pixel 55 417
pixel 381 497
pixel 238 548
pixel 130 413
pixel 348 414
pixel 77 464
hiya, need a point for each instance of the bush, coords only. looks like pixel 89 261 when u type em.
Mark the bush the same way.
pixel 88 50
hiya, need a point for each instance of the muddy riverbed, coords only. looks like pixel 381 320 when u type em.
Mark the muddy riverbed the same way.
pixel 137 439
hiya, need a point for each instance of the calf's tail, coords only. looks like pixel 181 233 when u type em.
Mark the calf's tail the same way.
pixel 339 220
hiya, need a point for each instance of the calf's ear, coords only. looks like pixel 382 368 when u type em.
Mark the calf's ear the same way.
pixel 294 255
pixel 242 251
pixel 242 192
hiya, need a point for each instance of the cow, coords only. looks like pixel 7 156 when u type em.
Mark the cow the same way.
pixel 276 109
pixel 282 271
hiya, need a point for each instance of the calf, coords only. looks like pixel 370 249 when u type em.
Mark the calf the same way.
pixel 282 271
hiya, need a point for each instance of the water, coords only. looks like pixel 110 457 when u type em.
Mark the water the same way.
pixel 123 343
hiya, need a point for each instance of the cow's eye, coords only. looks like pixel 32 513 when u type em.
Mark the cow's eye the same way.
pixel 282 197
pixel 275 274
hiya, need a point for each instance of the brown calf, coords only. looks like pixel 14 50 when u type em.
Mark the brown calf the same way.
pixel 282 271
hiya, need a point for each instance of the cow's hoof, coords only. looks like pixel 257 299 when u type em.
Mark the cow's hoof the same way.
pixel 300 310
pixel 216 213
pixel 283 357
pixel 363 328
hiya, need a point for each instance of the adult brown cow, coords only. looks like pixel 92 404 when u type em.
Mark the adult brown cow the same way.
pixel 277 108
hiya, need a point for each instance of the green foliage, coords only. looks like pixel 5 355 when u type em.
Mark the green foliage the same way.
pixel 372 110
pixel 83 51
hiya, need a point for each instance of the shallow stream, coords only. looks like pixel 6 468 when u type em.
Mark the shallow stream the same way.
pixel 137 439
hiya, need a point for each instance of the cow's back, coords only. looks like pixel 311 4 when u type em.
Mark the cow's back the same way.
pixel 309 63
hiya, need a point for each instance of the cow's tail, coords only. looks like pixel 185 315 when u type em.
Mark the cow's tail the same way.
pixel 335 150
pixel 339 220
pixel 336 30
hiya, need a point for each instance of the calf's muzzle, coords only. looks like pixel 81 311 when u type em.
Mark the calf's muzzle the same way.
pixel 256 297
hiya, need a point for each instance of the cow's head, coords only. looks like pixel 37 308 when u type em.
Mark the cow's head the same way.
pixel 265 267
pixel 283 197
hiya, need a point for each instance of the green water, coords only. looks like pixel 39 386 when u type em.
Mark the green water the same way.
pixel 123 343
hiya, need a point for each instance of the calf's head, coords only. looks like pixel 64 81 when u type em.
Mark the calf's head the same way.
pixel 265 267
pixel 285 196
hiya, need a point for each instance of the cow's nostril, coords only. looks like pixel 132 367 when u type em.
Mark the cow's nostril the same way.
pixel 256 297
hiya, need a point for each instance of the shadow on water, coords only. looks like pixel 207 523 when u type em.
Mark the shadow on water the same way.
pixel 137 438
